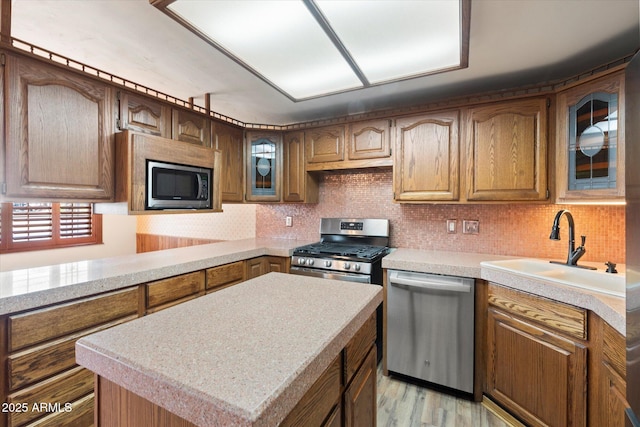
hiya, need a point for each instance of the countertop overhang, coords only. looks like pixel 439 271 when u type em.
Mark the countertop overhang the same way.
pixel 241 356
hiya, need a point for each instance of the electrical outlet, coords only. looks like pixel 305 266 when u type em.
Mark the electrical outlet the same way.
pixel 288 221
pixel 470 226
pixel 451 226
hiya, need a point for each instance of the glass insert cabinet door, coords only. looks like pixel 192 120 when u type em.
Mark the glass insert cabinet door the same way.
pixel 590 141
pixel 264 166
pixel 593 142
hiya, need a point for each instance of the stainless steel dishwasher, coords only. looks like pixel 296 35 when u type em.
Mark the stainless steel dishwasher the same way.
pixel 430 328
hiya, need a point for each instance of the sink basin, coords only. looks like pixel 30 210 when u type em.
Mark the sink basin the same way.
pixel 593 280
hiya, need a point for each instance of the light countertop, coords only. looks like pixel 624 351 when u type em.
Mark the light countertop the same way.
pixel 35 287
pixel 241 356
pixel 610 308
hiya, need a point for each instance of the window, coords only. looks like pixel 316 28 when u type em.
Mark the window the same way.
pixel 34 226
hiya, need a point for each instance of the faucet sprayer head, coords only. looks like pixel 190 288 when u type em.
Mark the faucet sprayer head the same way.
pixel 555 233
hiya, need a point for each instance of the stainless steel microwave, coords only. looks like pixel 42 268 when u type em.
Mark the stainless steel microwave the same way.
pixel 175 186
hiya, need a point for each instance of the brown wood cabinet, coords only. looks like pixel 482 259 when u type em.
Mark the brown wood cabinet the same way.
pixel 297 184
pixel 220 277
pixel 141 114
pixel 38 358
pixel 264 166
pixel 228 140
pixel 505 156
pixel 590 140
pixel 266 264
pixel 133 149
pixel 537 358
pixel 59 133
pixel 369 140
pixel 426 161
pixel 351 146
pixel 191 127
pixel 164 293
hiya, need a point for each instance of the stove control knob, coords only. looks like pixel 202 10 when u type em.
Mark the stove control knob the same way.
pixel 347 265
pixel 309 262
pixel 357 267
pixel 327 263
pixel 301 261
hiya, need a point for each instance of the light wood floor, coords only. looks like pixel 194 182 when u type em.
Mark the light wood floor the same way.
pixel 403 405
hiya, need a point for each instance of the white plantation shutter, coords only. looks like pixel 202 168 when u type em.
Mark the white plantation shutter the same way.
pixel 32 226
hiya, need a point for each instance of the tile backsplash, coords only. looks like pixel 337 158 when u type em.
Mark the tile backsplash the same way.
pixel 505 229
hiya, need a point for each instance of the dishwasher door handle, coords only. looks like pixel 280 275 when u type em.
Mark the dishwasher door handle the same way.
pixel 427 284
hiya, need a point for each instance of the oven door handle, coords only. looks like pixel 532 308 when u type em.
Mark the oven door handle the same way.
pixel 428 284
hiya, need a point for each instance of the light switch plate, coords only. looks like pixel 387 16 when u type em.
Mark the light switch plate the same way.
pixel 288 221
pixel 451 226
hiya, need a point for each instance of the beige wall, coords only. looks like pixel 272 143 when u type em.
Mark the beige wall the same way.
pixel 234 223
pixel 118 236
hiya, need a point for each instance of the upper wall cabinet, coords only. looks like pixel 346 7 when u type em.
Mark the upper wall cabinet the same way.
pixel 228 140
pixel 426 161
pixel 370 140
pixel 297 184
pixel 141 114
pixel 264 166
pixel 325 144
pixel 505 153
pixel 590 141
pixel 59 133
pixel 355 145
pixel 188 126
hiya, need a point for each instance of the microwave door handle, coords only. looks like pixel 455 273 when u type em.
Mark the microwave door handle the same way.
pixel 199 178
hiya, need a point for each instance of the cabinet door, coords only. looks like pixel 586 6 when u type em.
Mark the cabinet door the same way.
pixel 426 159
pixel 590 141
pixel 142 114
pixel 506 151
pixel 325 144
pixel 188 126
pixel 228 139
pixel 297 184
pixel 224 276
pixel 264 166
pixel 370 140
pixel 539 376
pixel 254 267
pixel 59 133
pixel 360 400
pixel 164 293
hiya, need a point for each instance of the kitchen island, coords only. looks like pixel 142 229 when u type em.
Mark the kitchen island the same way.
pixel 246 355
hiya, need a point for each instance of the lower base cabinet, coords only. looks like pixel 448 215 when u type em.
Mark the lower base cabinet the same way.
pixel 552 364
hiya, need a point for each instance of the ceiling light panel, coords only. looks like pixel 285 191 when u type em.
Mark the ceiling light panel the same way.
pixel 396 39
pixel 278 40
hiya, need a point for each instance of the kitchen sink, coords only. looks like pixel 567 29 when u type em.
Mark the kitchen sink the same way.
pixel 593 280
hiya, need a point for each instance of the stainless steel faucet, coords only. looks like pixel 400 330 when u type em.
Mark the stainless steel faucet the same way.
pixel 574 254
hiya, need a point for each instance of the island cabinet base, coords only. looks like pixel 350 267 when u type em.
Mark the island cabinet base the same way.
pixel 343 395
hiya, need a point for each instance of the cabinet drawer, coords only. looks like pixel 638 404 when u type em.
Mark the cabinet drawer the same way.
pixel 41 325
pixel 37 363
pixel 359 347
pixel 560 317
pixel 61 389
pixel 320 401
pixel 174 288
pixel 225 275
pixel 80 414
pixel 614 350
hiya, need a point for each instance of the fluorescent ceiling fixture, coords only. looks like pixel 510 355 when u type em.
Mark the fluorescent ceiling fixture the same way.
pixel 313 48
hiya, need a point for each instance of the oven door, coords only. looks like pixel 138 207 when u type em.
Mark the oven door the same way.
pixel 336 275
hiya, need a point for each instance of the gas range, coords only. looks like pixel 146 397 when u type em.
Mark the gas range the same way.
pixel 349 249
